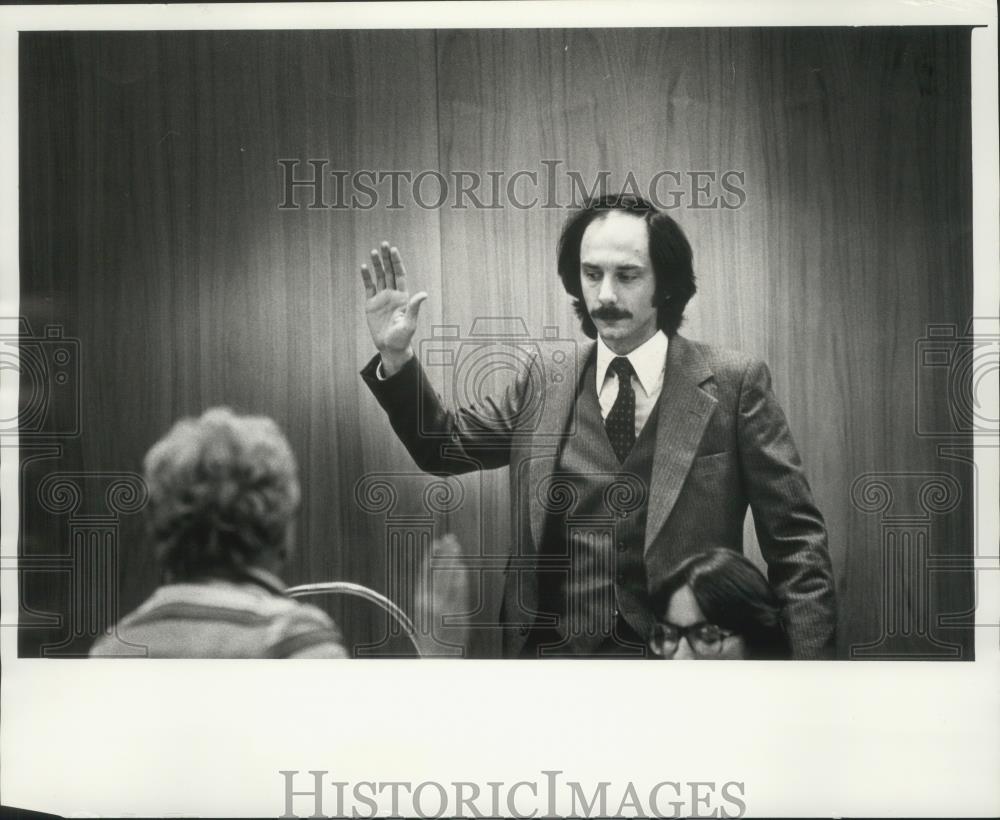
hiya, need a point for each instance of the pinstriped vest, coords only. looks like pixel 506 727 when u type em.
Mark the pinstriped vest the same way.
pixel 591 569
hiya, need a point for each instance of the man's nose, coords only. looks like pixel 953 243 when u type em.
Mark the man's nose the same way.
pixel 683 651
pixel 607 294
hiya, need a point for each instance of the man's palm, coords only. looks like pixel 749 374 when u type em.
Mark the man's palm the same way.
pixel 391 321
pixel 391 311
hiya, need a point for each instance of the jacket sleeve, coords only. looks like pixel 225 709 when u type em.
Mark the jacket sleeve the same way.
pixel 789 527
pixel 447 441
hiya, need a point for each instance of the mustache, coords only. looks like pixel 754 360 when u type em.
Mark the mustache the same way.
pixel 609 313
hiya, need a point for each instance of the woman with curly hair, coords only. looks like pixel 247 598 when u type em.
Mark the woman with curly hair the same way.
pixel 718 606
pixel 223 493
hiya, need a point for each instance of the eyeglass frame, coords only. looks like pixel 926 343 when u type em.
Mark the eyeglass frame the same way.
pixel 684 633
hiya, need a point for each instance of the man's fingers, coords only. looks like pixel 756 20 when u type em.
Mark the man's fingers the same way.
pixel 390 273
pixel 388 266
pixel 413 306
pixel 366 277
pixel 379 270
pixel 398 269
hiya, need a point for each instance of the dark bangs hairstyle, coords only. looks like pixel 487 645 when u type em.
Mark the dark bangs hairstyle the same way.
pixel 732 593
pixel 669 254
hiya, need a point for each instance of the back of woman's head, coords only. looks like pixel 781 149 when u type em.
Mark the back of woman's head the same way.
pixel 223 490
pixel 732 593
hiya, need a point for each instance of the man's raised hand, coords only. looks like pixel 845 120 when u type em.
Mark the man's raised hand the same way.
pixel 390 310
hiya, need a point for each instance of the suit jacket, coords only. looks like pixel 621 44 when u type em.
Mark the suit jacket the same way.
pixel 722 445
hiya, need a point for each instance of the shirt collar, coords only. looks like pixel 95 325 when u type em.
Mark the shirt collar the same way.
pixel 266 579
pixel 248 574
pixel 648 360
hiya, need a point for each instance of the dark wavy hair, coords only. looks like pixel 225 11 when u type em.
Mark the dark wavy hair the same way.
pixel 669 253
pixel 734 594
pixel 223 490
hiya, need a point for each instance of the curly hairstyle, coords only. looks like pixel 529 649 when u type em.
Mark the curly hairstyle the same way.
pixel 223 490
pixel 669 254
pixel 732 593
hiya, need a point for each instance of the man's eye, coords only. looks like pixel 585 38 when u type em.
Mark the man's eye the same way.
pixel 592 275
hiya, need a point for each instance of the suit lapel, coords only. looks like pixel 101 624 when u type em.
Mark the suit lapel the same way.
pixel 555 424
pixel 684 413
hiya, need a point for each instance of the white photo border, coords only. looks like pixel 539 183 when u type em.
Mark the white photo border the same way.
pixel 209 738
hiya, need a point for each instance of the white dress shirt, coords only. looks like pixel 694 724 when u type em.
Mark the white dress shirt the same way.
pixel 649 360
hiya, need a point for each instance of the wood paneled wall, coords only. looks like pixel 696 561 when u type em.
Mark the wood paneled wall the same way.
pixel 151 232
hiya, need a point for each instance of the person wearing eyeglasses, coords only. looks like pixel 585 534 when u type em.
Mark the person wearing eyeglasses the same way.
pixel 718 606
pixel 694 432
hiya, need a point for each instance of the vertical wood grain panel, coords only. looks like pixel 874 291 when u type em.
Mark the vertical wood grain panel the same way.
pixel 863 217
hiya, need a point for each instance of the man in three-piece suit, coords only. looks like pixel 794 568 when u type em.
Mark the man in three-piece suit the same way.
pixel 664 443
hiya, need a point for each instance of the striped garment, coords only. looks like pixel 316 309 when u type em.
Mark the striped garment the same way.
pixel 224 618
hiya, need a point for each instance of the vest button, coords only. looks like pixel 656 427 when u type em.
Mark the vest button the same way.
pixel 622 514
pixel 523 630
pixel 622 546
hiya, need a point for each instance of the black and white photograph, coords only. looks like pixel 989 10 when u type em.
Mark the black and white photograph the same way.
pixel 468 350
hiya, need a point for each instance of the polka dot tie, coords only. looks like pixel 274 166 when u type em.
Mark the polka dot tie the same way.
pixel 620 422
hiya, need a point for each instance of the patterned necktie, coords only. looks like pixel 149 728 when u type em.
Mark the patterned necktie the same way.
pixel 620 422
